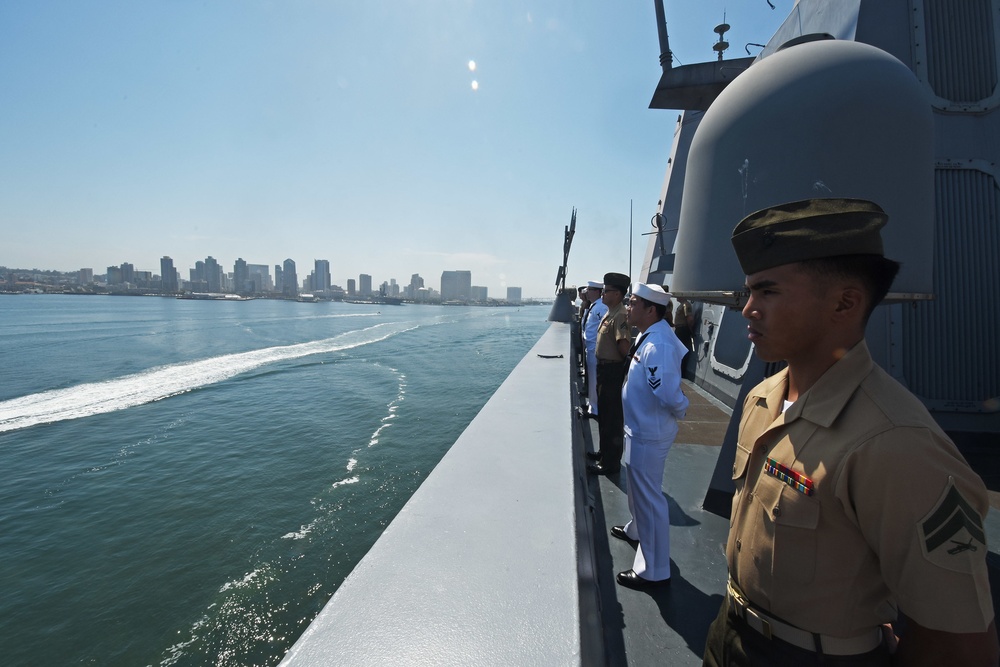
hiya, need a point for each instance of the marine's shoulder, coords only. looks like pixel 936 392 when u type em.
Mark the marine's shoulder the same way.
pixel 884 395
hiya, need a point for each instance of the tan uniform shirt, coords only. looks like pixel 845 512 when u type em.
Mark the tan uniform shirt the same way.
pixel 613 328
pixel 854 503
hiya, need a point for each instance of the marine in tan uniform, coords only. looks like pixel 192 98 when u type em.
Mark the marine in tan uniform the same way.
pixel 613 343
pixel 852 509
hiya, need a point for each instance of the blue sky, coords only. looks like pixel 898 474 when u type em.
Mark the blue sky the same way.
pixel 346 131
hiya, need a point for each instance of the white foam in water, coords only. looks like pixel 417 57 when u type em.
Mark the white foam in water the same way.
pixel 155 384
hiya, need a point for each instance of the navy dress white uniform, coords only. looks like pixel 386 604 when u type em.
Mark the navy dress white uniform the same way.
pixel 592 320
pixel 652 401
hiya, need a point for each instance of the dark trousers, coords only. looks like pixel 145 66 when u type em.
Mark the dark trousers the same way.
pixel 611 424
pixel 733 643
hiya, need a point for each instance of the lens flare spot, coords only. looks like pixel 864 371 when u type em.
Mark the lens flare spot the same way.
pixel 475 85
pixel 472 65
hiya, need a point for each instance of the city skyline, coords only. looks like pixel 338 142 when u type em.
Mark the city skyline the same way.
pixel 382 136
pixel 209 275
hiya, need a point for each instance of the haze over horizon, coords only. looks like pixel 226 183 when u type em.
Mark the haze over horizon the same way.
pixel 388 137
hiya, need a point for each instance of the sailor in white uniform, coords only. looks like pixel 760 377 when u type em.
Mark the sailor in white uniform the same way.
pixel 591 320
pixel 653 402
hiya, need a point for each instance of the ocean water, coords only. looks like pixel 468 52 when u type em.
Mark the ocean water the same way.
pixel 188 482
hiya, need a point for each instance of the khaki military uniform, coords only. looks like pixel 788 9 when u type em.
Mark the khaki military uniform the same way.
pixel 610 377
pixel 612 329
pixel 852 505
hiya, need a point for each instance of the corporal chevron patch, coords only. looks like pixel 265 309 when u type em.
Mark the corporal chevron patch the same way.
pixel 952 529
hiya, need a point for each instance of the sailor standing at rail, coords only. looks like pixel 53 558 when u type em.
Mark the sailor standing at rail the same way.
pixel 591 320
pixel 652 402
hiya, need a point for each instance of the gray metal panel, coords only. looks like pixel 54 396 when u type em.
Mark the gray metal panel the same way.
pixel 951 358
pixel 961 58
pixel 839 19
pixel 480 566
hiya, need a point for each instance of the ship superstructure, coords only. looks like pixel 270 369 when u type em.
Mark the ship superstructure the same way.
pixel 753 133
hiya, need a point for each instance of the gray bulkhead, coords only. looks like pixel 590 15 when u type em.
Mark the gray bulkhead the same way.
pixel 938 338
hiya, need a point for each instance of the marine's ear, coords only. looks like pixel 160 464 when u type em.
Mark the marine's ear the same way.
pixel 851 302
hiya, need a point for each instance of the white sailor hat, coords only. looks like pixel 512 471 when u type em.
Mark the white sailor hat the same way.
pixel 593 284
pixel 651 293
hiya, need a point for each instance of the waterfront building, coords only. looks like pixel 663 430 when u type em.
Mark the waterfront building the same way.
pixel 213 274
pixel 456 285
pixel 321 279
pixel 513 295
pixel 241 276
pixel 290 279
pixel 352 287
pixel 168 275
pixel 412 291
pixel 365 284
pixel 258 278
pixel 197 274
pixel 85 276
pixel 479 293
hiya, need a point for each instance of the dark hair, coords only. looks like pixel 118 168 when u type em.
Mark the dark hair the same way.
pixel 875 273
pixel 661 309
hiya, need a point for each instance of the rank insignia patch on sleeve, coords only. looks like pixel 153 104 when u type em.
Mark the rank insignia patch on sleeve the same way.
pixel 952 528
pixel 654 381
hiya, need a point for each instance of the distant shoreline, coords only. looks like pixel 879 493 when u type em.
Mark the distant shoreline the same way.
pixel 229 297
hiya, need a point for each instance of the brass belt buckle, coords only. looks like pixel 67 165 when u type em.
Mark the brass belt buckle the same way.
pixel 762 625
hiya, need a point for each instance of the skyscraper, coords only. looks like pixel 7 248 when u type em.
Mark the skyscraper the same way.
pixel 513 295
pixel 365 284
pixel 259 276
pixel 321 276
pixel 128 273
pixel 168 275
pixel 213 274
pixel 456 285
pixel 413 289
pixel 289 279
pixel 240 276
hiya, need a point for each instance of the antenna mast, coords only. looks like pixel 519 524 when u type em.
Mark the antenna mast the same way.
pixel 666 55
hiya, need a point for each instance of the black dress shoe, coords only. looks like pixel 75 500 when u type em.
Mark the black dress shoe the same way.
pixel 630 579
pixel 619 532
pixel 594 456
pixel 601 469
